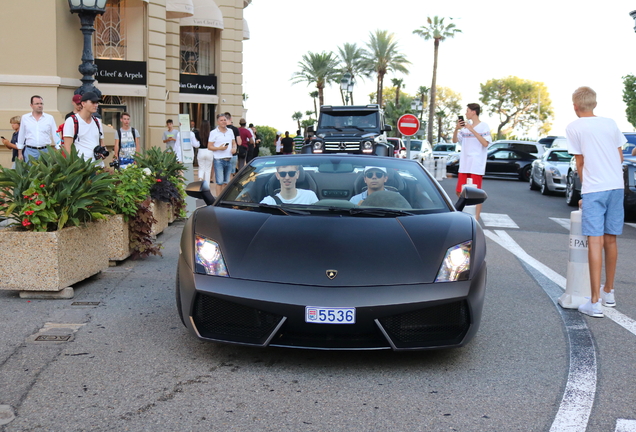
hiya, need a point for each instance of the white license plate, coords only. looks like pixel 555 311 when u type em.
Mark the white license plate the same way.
pixel 324 315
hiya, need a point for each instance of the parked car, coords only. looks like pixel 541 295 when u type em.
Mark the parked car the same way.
pixel 321 275
pixel 629 175
pixel 532 147
pixel 631 142
pixel 501 162
pixel 548 173
pixel 444 150
pixel 398 147
pixel 420 150
pixel 548 141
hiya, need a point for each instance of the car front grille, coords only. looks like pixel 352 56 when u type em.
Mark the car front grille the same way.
pixel 342 145
pixel 220 319
pixel 445 324
pixel 294 337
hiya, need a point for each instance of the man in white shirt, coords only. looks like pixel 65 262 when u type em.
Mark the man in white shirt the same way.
pixel 596 143
pixel 375 178
pixel 88 134
pixel 37 132
pixel 288 176
pixel 474 138
pixel 127 144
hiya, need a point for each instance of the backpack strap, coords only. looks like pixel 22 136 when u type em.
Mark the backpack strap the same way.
pixel 76 125
pixel 134 134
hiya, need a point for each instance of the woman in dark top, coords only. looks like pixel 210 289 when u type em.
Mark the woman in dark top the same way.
pixel 12 145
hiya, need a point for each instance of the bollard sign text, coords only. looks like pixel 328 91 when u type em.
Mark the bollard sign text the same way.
pixel 578 242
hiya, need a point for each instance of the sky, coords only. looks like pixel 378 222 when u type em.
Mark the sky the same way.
pixel 562 43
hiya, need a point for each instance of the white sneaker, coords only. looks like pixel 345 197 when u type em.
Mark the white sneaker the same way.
pixel 592 309
pixel 607 298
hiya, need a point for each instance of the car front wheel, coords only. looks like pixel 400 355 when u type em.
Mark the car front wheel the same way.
pixel 572 196
pixel 544 186
pixel 524 175
pixel 533 185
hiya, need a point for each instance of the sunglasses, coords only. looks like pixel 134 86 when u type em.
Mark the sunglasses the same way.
pixel 284 174
pixel 377 174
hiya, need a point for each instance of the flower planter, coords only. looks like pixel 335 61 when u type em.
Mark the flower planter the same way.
pixel 161 212
pixel 118 238
pixel 52 261
pixel 171 216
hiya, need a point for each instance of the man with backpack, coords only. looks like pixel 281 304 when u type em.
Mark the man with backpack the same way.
pixel 126 142
pixel 85 131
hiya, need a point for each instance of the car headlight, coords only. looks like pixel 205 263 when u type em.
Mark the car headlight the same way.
pixel 555 171
pixel 317 146
pixel 367 147
pixel 208 257
pixel 456 264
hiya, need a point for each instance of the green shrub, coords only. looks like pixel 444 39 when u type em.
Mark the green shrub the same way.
pixel 269 136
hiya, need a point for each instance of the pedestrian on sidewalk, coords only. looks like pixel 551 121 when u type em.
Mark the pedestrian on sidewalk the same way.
pixel 247 143
pixel 237 138
pixel 205 157
pixel 126 142
pixel 12 144
pixel 37 132
pixel 288 144
pixel 597 145
pixel 84 131
pixel 474 136
pixel 170 136
pixel 223 143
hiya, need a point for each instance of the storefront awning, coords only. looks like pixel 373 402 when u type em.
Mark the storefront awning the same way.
pixel 246 30
pixel 206 14
pixel 179 9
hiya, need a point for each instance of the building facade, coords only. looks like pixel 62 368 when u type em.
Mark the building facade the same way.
pixel 156 59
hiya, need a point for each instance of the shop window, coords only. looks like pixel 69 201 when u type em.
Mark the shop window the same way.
pixel 110 32
pixel 197 50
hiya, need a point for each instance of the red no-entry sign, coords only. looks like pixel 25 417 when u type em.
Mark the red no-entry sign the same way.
pixel 408 125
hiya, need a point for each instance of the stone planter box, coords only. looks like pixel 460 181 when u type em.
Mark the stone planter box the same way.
pixel 118 238
pixel 161 212
pixel 171 216
pixel 52 261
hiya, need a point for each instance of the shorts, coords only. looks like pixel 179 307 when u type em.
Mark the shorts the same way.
pixel 222 170
pixel 603 213
pixel 462 177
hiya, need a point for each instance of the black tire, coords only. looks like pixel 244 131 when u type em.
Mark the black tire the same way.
pixel 524 175
pixel 544 187
pixel 572 196
pixel 533 185
pixel 178 295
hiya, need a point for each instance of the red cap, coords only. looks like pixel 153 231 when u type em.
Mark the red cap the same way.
pixel 77 99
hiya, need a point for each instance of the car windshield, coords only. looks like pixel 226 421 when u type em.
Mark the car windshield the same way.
pixel 629 145
pixel 416 145
pixel 357 120
pixel 334 185
pixel 444 147
pixel 558 156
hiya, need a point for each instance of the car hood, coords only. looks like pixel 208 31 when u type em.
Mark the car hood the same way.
pixel 348 134
pixel 300 249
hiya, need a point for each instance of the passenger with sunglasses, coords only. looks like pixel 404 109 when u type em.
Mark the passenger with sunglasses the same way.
pixel 288 176
pixel 375 178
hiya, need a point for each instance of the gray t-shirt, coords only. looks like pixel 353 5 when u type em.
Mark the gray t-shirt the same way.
pixel 171 134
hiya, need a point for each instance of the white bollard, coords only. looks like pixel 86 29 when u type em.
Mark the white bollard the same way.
pixel 443 161
pixel 438 169
pixel 578 278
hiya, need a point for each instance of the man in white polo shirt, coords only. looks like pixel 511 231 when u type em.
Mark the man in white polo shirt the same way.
pixel 37 131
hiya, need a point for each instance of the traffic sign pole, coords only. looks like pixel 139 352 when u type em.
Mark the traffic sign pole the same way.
pixel 408 125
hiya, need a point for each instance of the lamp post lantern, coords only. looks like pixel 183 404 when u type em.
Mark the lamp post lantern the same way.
pixel 346 85
pixel 633 15
pixel 87 11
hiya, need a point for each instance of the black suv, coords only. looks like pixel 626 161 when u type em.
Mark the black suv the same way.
pixel 351 129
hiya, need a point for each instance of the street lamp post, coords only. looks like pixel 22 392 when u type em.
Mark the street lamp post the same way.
pixel 87 11
pixel 633 15
pixel 346 85
pixel 416 106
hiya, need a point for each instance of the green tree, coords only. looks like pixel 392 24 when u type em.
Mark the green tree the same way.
pixel 382 56
pixel 422 95
pixel 519 103
pixel 297 116
pixel 397 83
pixel 314 95
pixel 392 110
pixel 629 97
pixel 269 135
pixel 320 69
pixel 352 61
pixel 448 106
pixel 437 31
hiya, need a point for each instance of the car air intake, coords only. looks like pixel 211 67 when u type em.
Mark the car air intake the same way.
pixel 444 324
pixel 223 320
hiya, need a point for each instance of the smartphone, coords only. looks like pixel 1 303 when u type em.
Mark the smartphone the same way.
pixel 460 118
pixel 227 144
pixel 2 137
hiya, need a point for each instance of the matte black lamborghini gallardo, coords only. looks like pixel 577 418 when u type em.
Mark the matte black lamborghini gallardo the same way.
pixel 332 252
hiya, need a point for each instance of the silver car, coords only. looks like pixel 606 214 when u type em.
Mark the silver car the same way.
pixel 548 173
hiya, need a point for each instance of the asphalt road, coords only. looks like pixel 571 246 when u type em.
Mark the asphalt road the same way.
pixel 131 366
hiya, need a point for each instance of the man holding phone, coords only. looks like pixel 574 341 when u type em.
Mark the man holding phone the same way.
pixel 474 138
pixel 223 146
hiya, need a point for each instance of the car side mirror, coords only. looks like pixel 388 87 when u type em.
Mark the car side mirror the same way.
pixel 470 196
pixel 387 128
pixel 200 190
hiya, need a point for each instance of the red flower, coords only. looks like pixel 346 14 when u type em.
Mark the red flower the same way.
pixel 26 197
pixel 38 202
pixel 35 194
pixel 158 180
pixel 42 185
pixel 26 222
pixel 29 212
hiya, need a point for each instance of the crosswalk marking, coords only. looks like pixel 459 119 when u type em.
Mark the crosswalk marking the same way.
pixel 498 220
pixel 564 222
pixel 623 425
pixel 633 225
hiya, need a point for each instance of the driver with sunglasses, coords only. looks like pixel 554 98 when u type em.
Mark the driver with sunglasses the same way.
pixel 288 176
pixel 375 178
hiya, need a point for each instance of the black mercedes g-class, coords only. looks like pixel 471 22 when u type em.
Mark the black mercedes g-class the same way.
pixel 351 129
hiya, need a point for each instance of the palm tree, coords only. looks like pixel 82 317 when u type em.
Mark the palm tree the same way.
pixel 297 116
pixel 319 68
pixel 437 31
pixel 422 94
pixel 382 57
pixel 352 61
pixel 314 95
pixel 397 83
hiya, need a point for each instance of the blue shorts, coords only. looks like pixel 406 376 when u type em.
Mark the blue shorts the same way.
pixel 603 213
pixel 222 170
